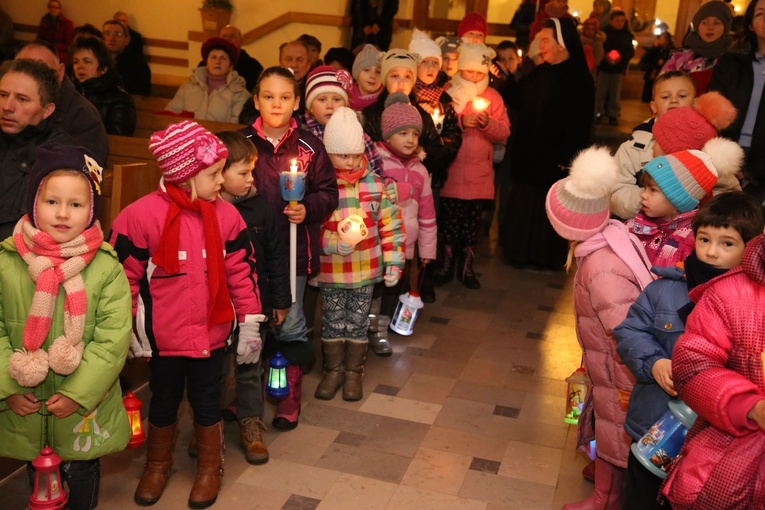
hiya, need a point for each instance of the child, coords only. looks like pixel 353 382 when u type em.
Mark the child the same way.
pixel 273 284
pixel 471 176
pixel 349 273
pixel 70 364
pixel 171 243
pixel 612 271
pixel 646 338
pixel 326 90
pixel 717 370
pixel 592 41
pixel 401 125
pixel 670 90
pixel 617 53
pixel 279 140
pixel 449 45
pixel 473 28
pixel 653 60
pixel 674 185
pixel 366 73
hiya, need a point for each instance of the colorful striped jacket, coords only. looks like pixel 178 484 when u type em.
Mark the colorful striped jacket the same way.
pixel 384 245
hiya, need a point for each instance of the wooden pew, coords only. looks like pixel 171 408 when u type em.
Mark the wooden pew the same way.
pixel 150 103
pixel 147 123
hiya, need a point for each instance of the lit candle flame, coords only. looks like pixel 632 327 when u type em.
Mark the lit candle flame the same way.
pixel 480 104
pixel 293 166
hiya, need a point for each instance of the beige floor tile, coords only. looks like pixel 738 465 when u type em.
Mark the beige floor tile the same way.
pixel 532 463
pixel 541 434
pixel 465 415
pixel 427 388
pixel 291 478
pixel 488 373
pixel 543 409
pixel 437 471
pixel 488 394
pixel 398 437
pixel 409 498
pixel 241 496
pixel 304 445
pixel 423 364
pixel 483 446
pixel 401 408
pixel 352 492
pixel 509 493
pixel 342 458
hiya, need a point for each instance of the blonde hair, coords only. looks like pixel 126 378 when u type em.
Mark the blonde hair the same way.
pixel 571 258
pixel 190 185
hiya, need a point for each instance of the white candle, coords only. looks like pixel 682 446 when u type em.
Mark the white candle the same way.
pixel 480 104
pixel 293 243
pixel 293 166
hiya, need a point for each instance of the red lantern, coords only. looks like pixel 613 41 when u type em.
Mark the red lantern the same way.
pixel 133 407
pixel 48 493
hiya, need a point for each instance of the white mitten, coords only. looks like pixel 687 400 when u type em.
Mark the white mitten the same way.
pixel 344 248
pixel 390 280
pixel 249 346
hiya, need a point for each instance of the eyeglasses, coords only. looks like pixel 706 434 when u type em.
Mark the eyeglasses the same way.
pixel 107 33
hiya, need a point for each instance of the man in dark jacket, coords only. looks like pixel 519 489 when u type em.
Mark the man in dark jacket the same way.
pixel 136 39
pixel 74 114
pixel 618 51
pixel 27 91
pixel 247 67
pixel 134 71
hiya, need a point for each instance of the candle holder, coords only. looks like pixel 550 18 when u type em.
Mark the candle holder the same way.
pixel 480 104
pixel 438 120
pixel 352 229
pixel 292 185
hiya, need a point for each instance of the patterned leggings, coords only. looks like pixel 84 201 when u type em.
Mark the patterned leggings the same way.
pixel 345 312
pixel 460 221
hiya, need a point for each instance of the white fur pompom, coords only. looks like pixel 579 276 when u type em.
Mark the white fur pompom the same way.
pixel 727 156
pixel 593 173
pixel 63 357
pixel 28 368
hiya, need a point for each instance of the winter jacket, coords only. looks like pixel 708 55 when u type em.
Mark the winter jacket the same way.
pixel 271 256
pixel 648 334
pixel 384 245
pixel 370 151
pixel 57 31
pixel 471 176
pixel 451 134
pixel 717 369
pixel 416 202
pixel 604 289
pixel 170 310
pixel 222 104
pixel 100 424
pixel 320 186
pixel 114 104
pixel 631 157
pixel 134 72
pixel 79 118
pixel 17 155
pixel 621 41
pixel 665 243
pixel 440 149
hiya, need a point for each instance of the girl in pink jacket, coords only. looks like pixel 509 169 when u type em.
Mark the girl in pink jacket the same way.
pixel 470 182
pixel 613 269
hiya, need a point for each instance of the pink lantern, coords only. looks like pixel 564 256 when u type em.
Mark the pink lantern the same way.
pixel 47 493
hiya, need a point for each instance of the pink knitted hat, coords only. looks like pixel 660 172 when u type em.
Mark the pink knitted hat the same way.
pixel 185 149
pixel 399 115
pixel 473 21
pixel 690 127
pixel 577 206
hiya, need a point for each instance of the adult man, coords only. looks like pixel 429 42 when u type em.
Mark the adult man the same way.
pixel 247 67
pixel 27 90
pixel 134 71
pixel 74 114
pixel 136 39
pixel 314 50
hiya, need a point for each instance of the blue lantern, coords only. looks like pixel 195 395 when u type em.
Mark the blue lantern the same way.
pixel 277 386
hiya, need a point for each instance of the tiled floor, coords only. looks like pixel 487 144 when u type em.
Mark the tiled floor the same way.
pixel 467 414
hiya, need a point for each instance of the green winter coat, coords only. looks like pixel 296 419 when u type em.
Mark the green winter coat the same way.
pixel 100 426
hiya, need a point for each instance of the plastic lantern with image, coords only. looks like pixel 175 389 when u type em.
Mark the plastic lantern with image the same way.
pixel 133 407
pixel 47 492
pixel 277 386
pixel 660 445
pixel 352 229
pixel 576 392
pixel 480 104
pixel 409 305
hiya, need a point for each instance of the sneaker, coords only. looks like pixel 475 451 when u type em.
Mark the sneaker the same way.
pixel 251 440
pixel 381 347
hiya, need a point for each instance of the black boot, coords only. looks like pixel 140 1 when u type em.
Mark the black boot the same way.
pixel 427 292
pixel 465 272
pixel 445 273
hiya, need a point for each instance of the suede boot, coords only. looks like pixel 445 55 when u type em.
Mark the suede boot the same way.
pixel 608 493
pixel 159 459
pixel 334 353
pixel 288 408
pixel 445 273
pixel 209 465
pixel 251 440
pixel 465 272
pixel 355 356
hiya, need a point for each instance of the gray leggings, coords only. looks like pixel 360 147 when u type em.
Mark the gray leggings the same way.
pixel 345 312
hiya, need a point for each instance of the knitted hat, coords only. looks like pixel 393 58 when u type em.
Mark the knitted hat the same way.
pixel 63 157
pixel 473 21
pixel 714 9
pixel 592 20
pixel 327 79
pixel 399 115
pixel 689 127
pixel 686 177
pixel 367 57
pixel 475 57
pixel 398 58
pixel 424 46
pixel 448 43
pixel 185 149
pixel 219 43
pixel 578 206
pixel 343 133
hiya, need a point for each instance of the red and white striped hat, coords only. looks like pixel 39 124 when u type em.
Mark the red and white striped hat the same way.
pixel 185 149
pixel 325 79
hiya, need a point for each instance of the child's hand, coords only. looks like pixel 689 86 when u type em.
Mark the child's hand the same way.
pixel 757 413
pixel 23 404
pixel 424 262
pixel 344 248
pixel 470 120
pixel 279 315
pixel 483 119
pixel 295 214
pixel 662 372
pixel 61 406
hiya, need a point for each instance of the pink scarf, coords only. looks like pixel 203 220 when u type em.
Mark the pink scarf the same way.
pixel 52 265
pixel 358 102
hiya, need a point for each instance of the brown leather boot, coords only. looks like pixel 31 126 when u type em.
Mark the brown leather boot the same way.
pixel 159 459
pixel 334 353
pixel 355 356
pixel 251 440
pixel 209 465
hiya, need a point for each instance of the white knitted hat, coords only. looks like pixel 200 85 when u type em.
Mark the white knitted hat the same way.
pixel 343 133
pixel 424 46
pixel 475 57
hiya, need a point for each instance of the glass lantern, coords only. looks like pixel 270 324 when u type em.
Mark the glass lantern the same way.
pixel 133 406
pixel 576 393
pixel 47 492
pixel 277 386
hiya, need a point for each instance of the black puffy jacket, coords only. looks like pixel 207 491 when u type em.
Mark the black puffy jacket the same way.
pixel 114 104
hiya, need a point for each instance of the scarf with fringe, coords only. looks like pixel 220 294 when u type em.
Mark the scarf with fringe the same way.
pixel 464 91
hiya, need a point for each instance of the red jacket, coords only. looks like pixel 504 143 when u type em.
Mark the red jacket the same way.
pixel 320 186
pixel 717 367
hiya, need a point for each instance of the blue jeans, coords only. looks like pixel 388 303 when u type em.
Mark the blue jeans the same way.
pixel 83 478
pixel 294 328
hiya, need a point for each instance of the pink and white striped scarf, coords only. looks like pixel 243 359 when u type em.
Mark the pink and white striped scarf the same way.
pixel 52 264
